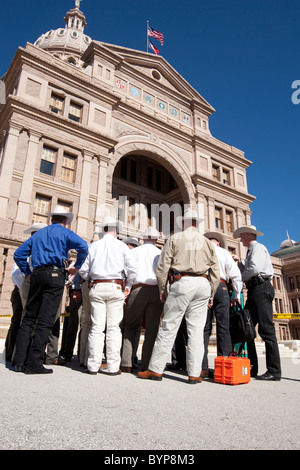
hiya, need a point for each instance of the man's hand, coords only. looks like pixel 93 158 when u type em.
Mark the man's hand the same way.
pixel 72 271
pixel 163 296
pixel 210 303
pixel 126 293
pixel 234 303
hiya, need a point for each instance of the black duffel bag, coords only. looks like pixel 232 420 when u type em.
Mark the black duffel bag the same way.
pixel 241 325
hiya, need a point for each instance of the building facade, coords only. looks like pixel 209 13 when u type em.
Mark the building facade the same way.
pixel 105 130
pixel 286 262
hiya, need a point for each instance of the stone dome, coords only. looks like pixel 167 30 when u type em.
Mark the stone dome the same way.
pixel 287 243
pixel 70 42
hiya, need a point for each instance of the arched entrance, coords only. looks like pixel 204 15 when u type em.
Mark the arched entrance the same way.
pixel 148 190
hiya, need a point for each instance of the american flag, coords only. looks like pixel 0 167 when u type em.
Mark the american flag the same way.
pixel 156 34
pixel 155 50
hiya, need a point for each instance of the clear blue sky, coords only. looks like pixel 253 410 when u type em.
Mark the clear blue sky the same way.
pixel 242 56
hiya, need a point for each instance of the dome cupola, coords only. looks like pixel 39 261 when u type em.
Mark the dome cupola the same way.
pixel 70 42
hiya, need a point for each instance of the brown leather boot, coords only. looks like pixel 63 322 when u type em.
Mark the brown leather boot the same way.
pixel 194 380
pixel 148 374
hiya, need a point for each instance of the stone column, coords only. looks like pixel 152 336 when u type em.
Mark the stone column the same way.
pixel 101 193
pixel 25 198
pixel 7 166
pixel 201 209
pixel 83 208
pixel 211 213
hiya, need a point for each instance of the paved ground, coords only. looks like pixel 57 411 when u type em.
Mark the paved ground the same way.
pixel 71 409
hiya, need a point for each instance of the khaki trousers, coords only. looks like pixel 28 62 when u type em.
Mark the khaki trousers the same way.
pixel 107 301
pixel 189 296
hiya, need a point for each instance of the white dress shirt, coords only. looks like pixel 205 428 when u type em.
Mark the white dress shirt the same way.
pixel 17 276
pixel 146 257
pixel 258 261
pixel 228 268
pixel 107 259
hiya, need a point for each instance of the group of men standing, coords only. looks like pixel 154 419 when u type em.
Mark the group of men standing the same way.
pixel 187 279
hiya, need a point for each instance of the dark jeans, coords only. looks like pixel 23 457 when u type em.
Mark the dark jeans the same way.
pixel 180 344
pixel 17 307
pixel 259 302
pixel 45 294
pixel 221 309
pixel 70 329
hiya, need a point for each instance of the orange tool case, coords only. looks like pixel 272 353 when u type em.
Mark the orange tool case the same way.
pixel 232 370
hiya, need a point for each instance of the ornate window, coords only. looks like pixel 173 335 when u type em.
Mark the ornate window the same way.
pixel 48 161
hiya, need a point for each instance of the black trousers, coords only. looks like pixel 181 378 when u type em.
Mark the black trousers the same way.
pixel 221 309
pixel 17 307
pixel 179 347
pixel 70 329
pixel 259 303
pixel 45 294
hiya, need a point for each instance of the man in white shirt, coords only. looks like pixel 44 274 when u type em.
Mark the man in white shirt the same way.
pixel 257 273
pixel 143 303
pixel 107 259
pixel 221 301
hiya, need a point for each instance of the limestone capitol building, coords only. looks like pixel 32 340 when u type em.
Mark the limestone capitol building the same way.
pixel 105 130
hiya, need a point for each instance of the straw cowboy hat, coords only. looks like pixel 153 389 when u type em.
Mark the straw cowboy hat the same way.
pixel 189 215
pixel 110 222
pixel 151 232
pixel 59 210
pixel 131 241
pixel 217 236
pixel 35 227
pixel 246 229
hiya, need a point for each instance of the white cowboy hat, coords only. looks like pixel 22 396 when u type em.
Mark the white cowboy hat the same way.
pixel 131 241
pixel 151 232
pixel 246 229
pixel 110 222
pixel 60 210
pixel 217 236
pixel 189 215
pixel 35 227
pixel 71 254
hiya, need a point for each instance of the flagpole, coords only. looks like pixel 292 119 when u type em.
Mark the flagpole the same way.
pixel 147 36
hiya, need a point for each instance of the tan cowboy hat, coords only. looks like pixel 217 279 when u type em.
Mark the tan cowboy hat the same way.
pixel 131 241
pixel 110 222
pixel 246 229
pixel 60 210
pixel 35 227
pixel 217 236
pixel 151 232
pixel 189 215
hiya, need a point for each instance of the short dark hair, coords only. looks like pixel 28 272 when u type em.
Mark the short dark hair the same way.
pixel 59 219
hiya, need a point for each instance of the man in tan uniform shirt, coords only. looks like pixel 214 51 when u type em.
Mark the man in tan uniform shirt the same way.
pixel 192 260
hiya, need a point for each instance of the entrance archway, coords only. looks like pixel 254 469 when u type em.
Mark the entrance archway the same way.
pixel 148 190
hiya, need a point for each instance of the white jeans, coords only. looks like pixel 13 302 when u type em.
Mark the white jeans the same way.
pixel 189 296
pixel 107 301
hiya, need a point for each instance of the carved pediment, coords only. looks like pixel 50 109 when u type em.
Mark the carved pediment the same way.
pixel 153 70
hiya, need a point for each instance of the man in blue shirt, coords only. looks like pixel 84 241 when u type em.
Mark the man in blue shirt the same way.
pixel 47 248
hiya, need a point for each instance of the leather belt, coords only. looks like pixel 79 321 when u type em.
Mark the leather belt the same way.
pixel 194 275
pixel 49 268
pixel 135 286
pixel 114 281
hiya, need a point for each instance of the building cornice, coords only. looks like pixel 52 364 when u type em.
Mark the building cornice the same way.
pixel 223 190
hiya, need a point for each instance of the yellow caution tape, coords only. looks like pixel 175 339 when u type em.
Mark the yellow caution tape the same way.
pixel 294 316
